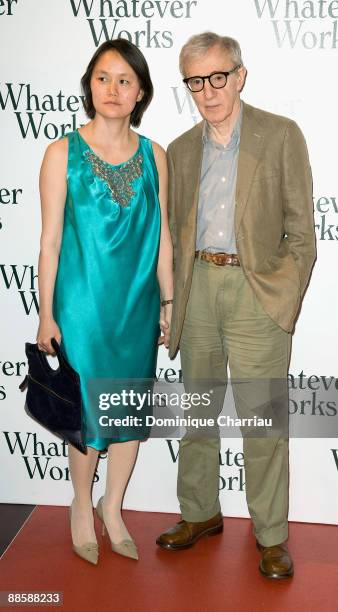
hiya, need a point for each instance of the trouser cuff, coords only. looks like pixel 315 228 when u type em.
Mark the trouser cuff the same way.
pixel 199 516
pixel 273 535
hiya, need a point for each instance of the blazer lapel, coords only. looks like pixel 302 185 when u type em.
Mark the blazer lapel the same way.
pixel 250 148
pixel 193 163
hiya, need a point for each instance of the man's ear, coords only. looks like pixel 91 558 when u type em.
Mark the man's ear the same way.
pixel 242 72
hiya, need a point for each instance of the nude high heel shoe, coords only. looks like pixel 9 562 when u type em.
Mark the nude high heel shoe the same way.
pixel 126 548
pixel 88 551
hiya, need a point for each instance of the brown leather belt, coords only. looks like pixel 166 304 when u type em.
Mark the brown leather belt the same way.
pixel 219 259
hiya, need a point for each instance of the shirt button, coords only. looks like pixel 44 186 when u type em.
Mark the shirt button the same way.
pixel 220 233
pixel 223 179
pixel 222 206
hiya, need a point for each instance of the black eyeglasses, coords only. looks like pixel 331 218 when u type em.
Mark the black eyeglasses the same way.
pixel 216 80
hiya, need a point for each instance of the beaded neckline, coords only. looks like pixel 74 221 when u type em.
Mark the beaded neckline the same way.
pixel 105 162
pixel 118 178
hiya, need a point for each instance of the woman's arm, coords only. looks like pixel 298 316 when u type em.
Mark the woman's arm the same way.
pixel 165 258
pixel 53 191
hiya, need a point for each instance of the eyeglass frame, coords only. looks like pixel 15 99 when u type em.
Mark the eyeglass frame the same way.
pixel 208 77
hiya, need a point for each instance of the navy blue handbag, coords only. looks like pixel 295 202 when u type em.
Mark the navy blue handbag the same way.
pixel 54 396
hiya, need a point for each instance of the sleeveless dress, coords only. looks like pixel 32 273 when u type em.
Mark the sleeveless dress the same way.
pixel 106 296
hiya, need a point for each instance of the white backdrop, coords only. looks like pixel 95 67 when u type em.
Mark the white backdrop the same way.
pixel 289 49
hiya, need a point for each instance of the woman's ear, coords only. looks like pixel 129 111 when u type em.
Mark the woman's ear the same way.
pixel 140 95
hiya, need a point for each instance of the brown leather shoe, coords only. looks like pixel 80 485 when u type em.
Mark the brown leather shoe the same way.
pixel 185 533
pixel 276 561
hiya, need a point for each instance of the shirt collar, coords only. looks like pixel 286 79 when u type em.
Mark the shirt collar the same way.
pixel 234 140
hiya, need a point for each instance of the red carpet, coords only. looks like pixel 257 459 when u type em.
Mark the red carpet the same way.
pixel 218 574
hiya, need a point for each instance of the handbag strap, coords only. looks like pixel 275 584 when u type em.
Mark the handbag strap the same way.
pixel 23 385
pixel 62 360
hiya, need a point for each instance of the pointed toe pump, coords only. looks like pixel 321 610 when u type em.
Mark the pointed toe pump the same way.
pixel 89 551
pixel 126 548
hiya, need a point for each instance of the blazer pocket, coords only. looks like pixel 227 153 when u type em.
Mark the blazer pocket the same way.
pixel 284 265
pixel 269 176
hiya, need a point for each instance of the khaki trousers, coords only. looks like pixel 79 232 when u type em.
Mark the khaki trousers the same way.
pixel 225 323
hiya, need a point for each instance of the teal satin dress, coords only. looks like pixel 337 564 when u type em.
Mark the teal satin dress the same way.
pixel 106 296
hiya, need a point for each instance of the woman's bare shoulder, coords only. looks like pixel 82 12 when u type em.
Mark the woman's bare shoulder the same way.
pixel 57 151
pixel 160 156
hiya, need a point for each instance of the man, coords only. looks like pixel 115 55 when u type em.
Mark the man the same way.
pixel 241 217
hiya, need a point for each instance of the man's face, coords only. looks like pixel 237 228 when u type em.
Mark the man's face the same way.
pixel 216 105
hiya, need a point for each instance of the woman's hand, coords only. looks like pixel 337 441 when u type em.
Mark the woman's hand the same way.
pixel 165 321
pixel 48 329
pixel 165 256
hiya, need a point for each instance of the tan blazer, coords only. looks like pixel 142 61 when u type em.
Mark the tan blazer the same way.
pixel 274 222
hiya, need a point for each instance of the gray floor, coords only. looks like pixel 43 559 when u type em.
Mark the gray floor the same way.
pixel 12 517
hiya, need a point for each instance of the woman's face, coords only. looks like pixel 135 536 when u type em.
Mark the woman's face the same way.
pixel 115 86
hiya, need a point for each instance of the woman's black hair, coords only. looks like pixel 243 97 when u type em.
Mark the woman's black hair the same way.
pixel 136 60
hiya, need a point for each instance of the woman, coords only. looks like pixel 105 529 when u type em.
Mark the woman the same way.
pixel 105 258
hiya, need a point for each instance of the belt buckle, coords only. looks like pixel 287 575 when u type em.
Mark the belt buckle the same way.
pixel 231 259
pixel 217 259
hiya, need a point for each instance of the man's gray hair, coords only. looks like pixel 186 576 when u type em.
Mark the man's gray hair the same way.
pixel 199 44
